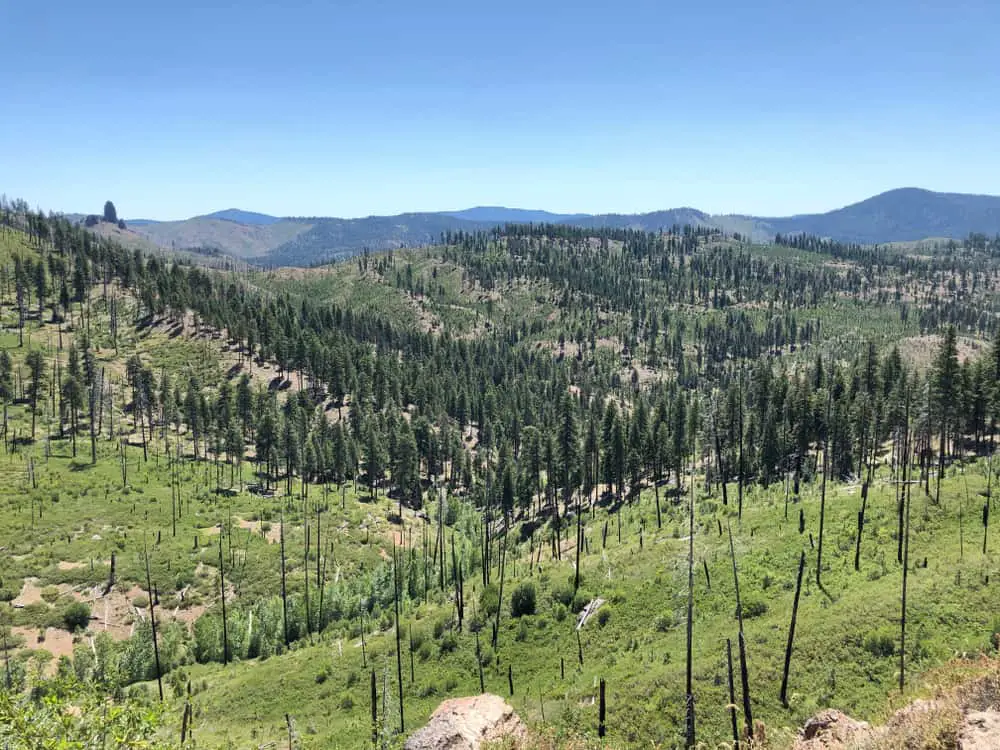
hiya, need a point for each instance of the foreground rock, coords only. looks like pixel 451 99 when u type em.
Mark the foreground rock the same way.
pixel 466 723
pixel 921 724
pixel 981 731
pixel 832 730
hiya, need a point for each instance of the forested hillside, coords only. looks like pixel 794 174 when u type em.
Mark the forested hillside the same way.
pixel 731 482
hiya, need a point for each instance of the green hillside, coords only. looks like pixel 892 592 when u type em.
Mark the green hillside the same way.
pixel 456 449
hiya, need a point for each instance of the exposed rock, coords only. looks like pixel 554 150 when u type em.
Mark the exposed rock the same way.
pixel 832 730
pixel 981 731
pixel 465 723
pixel 908 727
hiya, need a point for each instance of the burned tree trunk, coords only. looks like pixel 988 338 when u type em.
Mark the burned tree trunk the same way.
pixel 822 494
pixel 689 723
pixel 152 623
pixel 744 674
pixel 732 695
pixel 791 631
pixel 284 590
pixel 399 658
pixel 601 711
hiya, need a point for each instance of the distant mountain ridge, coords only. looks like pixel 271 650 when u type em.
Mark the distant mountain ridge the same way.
pixel 905 214
pixel 503 215
pixel 242 217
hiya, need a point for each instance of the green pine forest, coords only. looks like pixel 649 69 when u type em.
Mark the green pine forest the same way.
pixel 736 482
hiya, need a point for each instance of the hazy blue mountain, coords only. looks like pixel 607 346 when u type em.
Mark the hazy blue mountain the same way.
pixel 242 217
pixel 328 239
pixel 649 222
pixel 503 215
pixel 905 214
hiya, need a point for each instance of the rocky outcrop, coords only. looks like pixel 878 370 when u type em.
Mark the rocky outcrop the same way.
pixel 466 723
pixel 980 731
pixel 911 726
pixel 832 730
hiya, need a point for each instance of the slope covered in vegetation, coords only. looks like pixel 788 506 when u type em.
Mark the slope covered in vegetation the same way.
pixel 414 470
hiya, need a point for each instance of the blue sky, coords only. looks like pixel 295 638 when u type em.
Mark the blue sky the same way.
pixel 350 108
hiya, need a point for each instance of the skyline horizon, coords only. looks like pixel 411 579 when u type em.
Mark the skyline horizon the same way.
pixel 495 206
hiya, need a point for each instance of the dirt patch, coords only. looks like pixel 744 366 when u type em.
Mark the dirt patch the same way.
pixel 57 642
pixel 189 615
pixel 114 614
pixel 65 565
pixel 399 537
pixel 30 594
pixel 468 723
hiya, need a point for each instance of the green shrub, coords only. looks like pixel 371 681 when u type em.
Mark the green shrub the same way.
pixel 880 643
pixel 663 622
pixel 50 594
pixel 563 595
pixel 603 615
pixel 449 642
pixel 76 616
pixel 141 602
pixel 580 601
pixel 754 607
pixel 522 631
pixel 440 625
pixel 417 637
pixel 489 600
pixel 477 622
pixel 522 601
pixel 427 691
pixel 559 612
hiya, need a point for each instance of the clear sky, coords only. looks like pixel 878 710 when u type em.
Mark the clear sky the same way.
pixel 352 107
